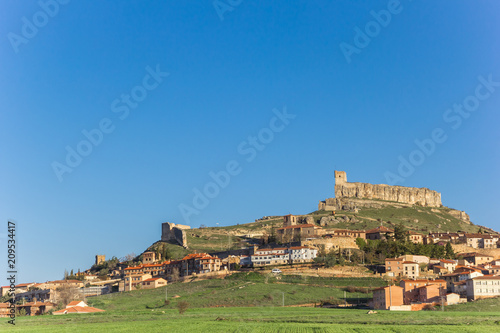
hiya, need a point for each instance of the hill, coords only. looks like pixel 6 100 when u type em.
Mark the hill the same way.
pixel 372 213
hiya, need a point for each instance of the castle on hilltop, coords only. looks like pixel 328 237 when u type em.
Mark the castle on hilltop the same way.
pixel 401 194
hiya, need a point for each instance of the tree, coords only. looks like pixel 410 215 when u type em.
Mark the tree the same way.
pixel 66 294
pixel 400 232
pixel 450 253
pixel 175 274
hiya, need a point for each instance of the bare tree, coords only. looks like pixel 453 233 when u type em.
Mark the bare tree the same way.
pixel 175 275
pixel 128 257
pixel 66 294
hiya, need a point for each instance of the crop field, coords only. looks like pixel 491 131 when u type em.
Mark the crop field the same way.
pixel 262 319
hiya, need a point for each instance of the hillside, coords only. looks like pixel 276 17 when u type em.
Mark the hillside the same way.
pixel 371 214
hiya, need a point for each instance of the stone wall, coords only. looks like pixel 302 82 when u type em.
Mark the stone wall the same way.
pixel 332 243
pixel 170 232
pixel 410 195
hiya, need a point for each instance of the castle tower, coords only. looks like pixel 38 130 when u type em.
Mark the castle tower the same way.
pixel 99 258
pixel 340 177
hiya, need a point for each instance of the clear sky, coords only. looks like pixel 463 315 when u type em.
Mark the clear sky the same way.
pixel 276 94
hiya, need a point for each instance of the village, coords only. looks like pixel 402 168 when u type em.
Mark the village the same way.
pixel 414 282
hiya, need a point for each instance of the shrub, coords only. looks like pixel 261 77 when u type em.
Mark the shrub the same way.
pixel 182 306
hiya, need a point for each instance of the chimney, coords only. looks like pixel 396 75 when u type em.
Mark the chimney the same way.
pixel 34 300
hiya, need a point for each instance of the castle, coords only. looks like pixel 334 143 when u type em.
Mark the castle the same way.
pixel 171 232
pixel 406 195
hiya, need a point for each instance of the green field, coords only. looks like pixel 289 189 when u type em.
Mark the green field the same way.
pixel 262 319
pixel 253 303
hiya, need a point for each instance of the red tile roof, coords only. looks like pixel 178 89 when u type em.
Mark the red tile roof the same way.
pixel 298 226
pixel 78 309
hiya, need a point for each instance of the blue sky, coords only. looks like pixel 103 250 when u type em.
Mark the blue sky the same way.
pixel 358 113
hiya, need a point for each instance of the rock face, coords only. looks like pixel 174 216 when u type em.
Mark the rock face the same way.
pixel 460 215
pixel 172 232
pixel 410 195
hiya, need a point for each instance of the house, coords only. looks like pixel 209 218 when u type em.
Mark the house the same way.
pixel 196 263
pixel 297 232
pixel 350 233
pixel 4 290
pixel 416 258
pixel 415 237
pixel 483 287
pixel 380 232
pixel 385 297
pixel 429 293
pixel 270 256
pixel 410 292
pixel 150 257
pixel 494 270
pixel 411 269
pixel 301 254
pixel 459 288
pixel 438 269
pixel 482 241
pixel 153 269
pixel 36 308
pixel 449 265
pixel 134 270
pixel 476 258
pixel 80 308
pixel 280 256
pixel 154 283
pixel 393 266
pixel 398 267
pixel 5 309
pixel 134 281
pixel 450 278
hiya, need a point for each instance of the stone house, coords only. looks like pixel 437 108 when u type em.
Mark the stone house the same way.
pixel 380 232
pixel 296 232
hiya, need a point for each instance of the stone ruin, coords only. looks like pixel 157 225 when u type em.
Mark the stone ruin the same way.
pixel 171 232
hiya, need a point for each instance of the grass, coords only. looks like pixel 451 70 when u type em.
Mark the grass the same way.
pixel 242 289
pixel 262 319
pixel 144 310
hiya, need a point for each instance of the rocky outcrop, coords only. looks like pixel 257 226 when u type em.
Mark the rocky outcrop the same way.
pixel 410 195
pixel 460 215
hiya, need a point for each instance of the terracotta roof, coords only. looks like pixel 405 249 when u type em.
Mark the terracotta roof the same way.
pixel 380 288
pixel 379 229
pixel 136 267
pixel 487 277
pixel 406 280
pixel 409 262
pixel 74 303
pixel 446 261
pixel 439 266
pixel 298 226
pixel 78 309
pixel 152 279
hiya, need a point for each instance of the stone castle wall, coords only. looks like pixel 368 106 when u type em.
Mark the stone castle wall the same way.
pixel 409 195
pixel 174 232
